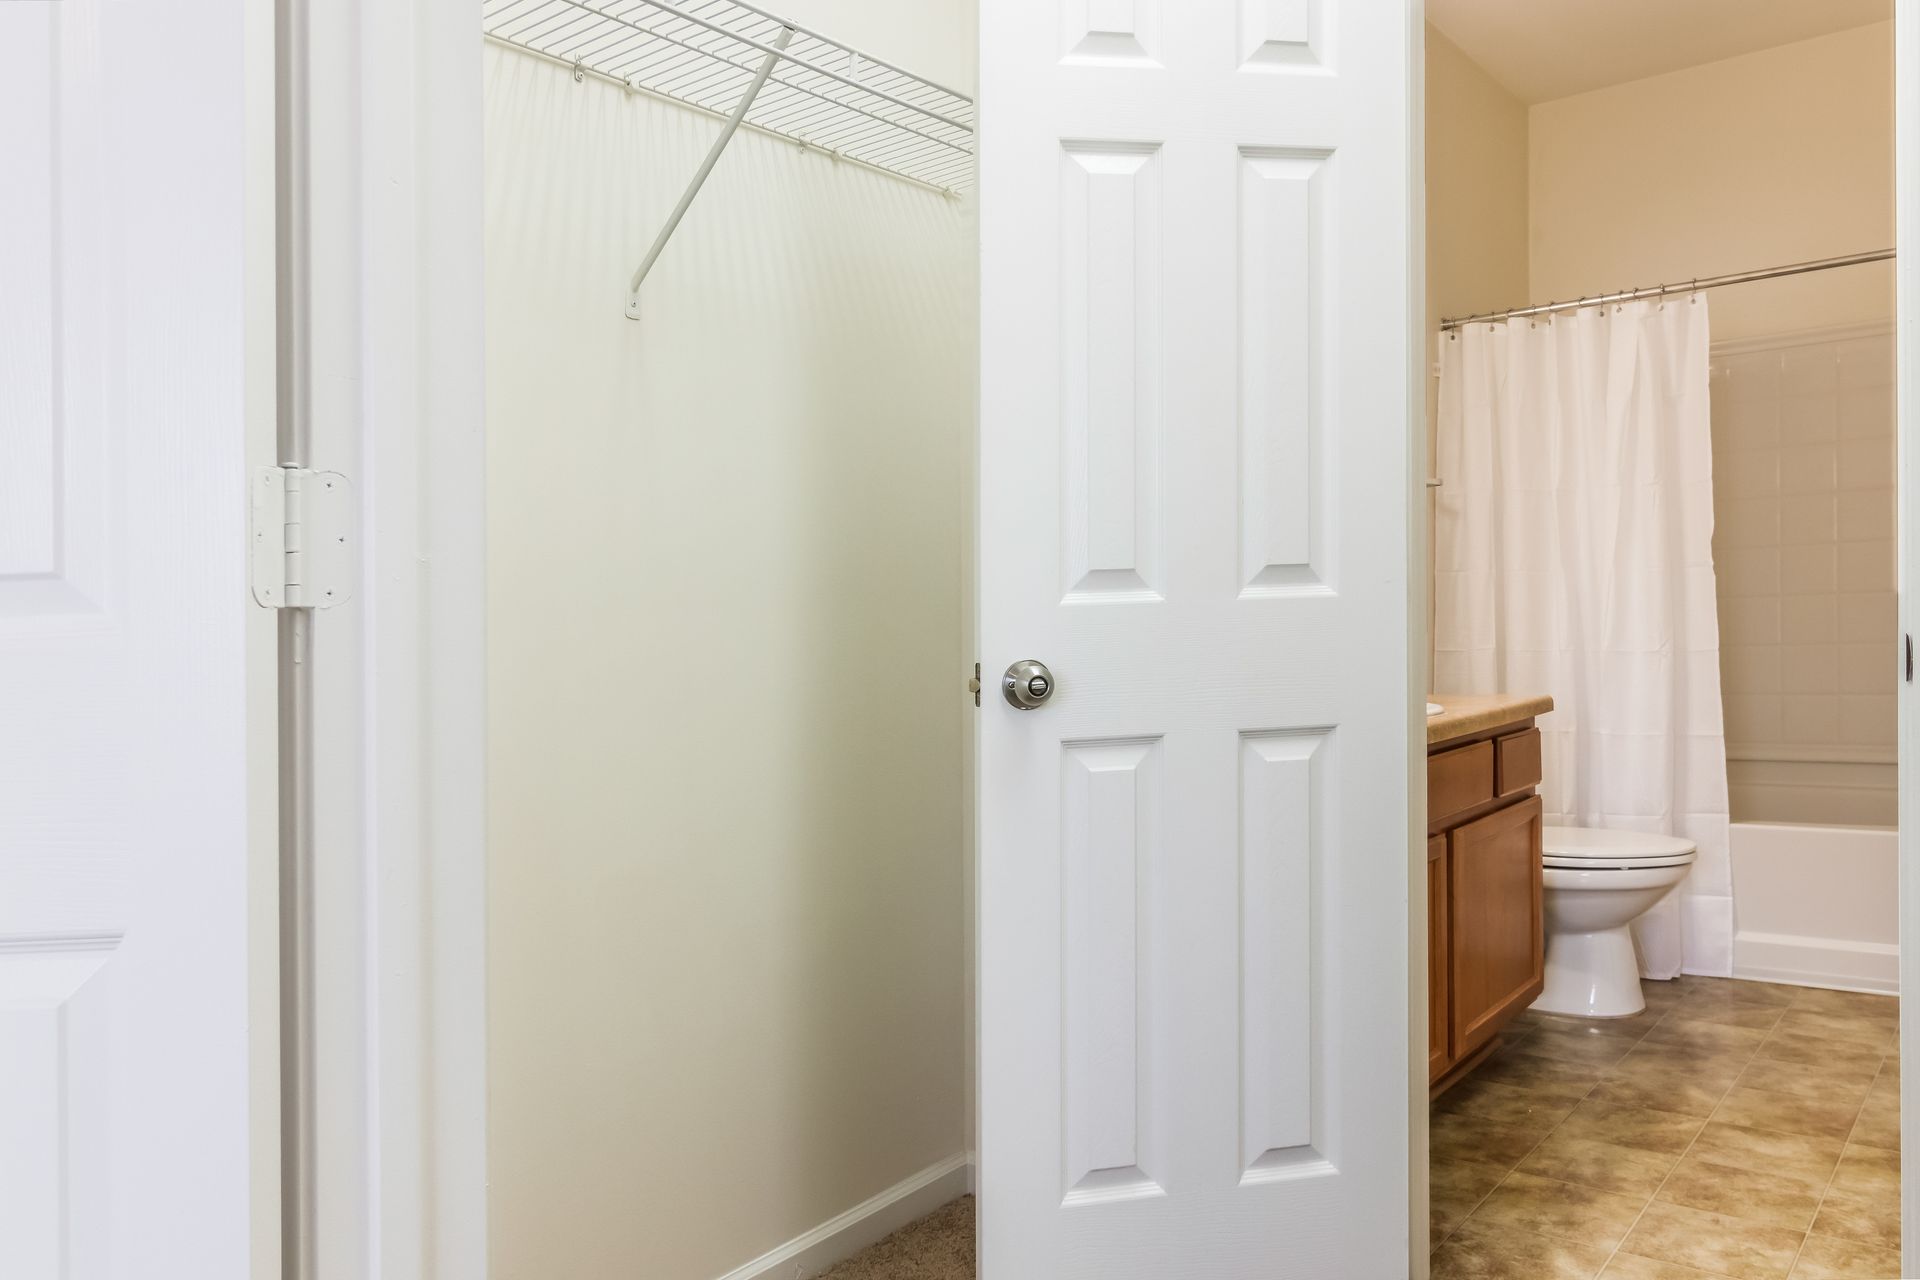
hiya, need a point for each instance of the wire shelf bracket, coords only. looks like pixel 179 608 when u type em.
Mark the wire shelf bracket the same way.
pixel 750 68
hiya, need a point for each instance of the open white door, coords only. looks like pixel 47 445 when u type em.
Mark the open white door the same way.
pixel 1196 231
pixel 127 1072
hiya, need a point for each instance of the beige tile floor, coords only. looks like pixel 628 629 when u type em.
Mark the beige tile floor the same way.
pixel 1734 1129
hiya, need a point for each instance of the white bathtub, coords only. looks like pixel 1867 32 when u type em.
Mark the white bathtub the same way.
pixel 1816 905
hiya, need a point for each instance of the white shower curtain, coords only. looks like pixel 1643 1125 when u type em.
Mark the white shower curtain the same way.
pixel 1574 558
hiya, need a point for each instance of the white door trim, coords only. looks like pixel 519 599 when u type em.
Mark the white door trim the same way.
pixel 1907 433
pixel 384 121
pixel 1419 660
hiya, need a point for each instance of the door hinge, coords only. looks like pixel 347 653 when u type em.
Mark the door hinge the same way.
pixel 973 685
pixel 301 538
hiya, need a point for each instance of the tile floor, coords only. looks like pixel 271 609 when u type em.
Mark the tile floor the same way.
pixel 1734 1129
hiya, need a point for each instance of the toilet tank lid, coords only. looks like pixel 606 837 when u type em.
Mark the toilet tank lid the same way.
pixel 1600 842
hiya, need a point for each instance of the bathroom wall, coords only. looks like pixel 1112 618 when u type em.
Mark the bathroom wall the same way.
pixel 1476 190
pixel 1804 552
pixel 1476 202
pixel 1773 157
pixel 726 682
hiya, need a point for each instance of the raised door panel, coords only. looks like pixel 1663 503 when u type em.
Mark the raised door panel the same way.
pixel 1439 1031
pixel 1111 348
pixel 1110 852
pixel 1494 889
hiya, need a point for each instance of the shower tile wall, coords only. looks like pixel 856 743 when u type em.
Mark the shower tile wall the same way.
pixel 1803 440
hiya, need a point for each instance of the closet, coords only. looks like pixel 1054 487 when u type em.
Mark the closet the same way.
pixel 728 529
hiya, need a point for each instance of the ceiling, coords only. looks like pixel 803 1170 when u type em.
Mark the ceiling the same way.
pixel 1544 49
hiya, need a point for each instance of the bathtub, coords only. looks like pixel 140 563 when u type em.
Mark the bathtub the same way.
pixel 1816 905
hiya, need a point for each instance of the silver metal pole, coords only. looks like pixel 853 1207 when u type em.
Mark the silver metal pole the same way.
pixel 299 1119
pixel 1666 290
pixel 706 167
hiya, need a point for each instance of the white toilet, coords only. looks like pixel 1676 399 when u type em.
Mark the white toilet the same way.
pixel 1597 883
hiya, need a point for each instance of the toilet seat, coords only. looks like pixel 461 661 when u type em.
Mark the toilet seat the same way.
pixel 1595 883
pixel 1599 849
pixel 1620 864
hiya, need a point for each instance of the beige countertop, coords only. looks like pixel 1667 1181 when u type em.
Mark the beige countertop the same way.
pixel 1468 713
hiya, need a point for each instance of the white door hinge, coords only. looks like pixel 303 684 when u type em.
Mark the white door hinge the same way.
pixel 302 538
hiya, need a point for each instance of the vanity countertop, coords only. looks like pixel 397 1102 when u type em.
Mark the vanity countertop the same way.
pixel 1468 713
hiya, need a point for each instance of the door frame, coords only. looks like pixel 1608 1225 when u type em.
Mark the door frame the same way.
pixel 1907 434
pixel 381 264
pixel 1906 58
pixel 1419 664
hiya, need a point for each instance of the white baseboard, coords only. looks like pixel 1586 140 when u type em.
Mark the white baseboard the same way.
pixel 1817 962
pixel 840 1238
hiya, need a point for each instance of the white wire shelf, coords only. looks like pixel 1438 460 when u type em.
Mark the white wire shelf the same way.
pixel 707 53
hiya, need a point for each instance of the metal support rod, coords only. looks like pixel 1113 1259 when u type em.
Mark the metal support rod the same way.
pixel 706 166
pixel 299 1116
pixel 1664 290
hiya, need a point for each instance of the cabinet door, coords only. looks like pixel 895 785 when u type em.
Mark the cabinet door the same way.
pixel 1493 885
pixel 1438 1030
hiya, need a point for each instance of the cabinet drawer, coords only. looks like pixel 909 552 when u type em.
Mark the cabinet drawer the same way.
pixel 1516 762
pixel 1459 779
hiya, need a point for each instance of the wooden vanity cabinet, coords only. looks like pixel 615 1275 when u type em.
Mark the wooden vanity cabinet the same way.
pixel 1486 946
pixel 1493 895
pixel 1439 1016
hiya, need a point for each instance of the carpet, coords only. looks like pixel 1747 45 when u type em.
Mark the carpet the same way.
pixel 937 1247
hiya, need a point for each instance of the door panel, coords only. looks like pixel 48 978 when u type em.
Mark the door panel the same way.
pixel 1439 978
pixel 124 1018
pixel 1195 417
pixel 1495 888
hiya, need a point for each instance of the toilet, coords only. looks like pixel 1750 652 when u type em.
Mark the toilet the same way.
pixel 1597 883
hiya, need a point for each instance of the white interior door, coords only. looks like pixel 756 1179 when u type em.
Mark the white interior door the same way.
pixel 1196 305
pixel 126 1050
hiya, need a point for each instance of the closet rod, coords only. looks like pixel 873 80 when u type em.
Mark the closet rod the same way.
pixel 1664 290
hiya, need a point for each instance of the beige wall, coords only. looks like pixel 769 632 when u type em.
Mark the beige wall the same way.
pixel 1476 202
pixel 727 888
pixel 1476 187
pixel 1777 156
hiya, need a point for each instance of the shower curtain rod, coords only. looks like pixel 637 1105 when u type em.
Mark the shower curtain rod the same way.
pixel 1663 290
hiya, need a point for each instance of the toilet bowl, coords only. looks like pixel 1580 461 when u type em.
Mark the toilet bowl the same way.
pixel 1597 883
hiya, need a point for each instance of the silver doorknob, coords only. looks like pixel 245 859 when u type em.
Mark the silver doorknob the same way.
pixel 1028 685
